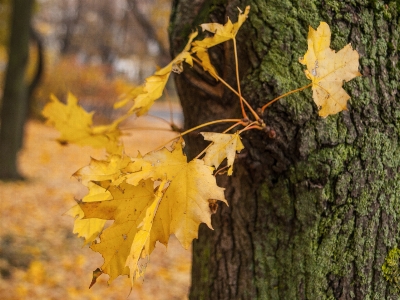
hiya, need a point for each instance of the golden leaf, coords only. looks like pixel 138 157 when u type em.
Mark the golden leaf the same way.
pixel 101 170
pixel 224 146
pixel 202 54
pixel 185 204
pixel 96 192
pixel 156 165
pixel 222 33
pixel 155 84
pixel 75 125
pixel 89 229
pixel 133 93
pixel 127 208
pixel 142 245
pixel 328 70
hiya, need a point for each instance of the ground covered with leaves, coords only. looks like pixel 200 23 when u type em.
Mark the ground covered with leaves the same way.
pixel 40 258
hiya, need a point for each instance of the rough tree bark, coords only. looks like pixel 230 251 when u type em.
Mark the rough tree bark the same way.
pixel 314 212
pixel 15 97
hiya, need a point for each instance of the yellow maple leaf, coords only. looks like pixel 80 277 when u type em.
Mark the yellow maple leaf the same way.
pixel 89 229
pixel 186 202
pixel 141 245
pixel 156 165
pixel 96 192
pixel 127 208
pixel 224 146
pixel 328 70
pixel 191 185
pixel 155 84
pixel 125 98
pixel 101 170
pixel 222 33
pixel 202 54
pixel 75 125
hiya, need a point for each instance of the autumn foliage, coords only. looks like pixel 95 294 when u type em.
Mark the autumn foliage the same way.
pixel 151 196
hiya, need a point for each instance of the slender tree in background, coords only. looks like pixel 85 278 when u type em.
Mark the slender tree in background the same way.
pixel 15 96
pixel 314 207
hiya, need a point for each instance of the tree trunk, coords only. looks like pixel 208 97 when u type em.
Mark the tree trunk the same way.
pixel 313 212
pixel 15 96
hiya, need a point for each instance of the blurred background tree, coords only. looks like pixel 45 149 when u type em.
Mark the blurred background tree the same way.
pixel 16 91
pixel 97 50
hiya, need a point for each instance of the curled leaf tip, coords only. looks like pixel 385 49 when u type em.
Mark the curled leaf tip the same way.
pixel 96 274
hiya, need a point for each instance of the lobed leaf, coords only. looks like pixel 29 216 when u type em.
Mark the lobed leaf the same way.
pixel 127 209
pixel 76 126
pixel 222 33
pixel 224 146
pixel 100 170
pixel 328 70
pixel 155 84
pixel 89 229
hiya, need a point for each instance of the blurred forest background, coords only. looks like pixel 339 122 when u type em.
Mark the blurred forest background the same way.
pixel 95 49
pixel 98 50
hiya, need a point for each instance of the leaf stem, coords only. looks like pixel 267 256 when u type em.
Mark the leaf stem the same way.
pixel 238 80
pixel 211 123
pixel 250 128
pixel 256 116
pixel 284 95
pixel 238 121
pixel 147 128
pixel 252 125
pixel 220 170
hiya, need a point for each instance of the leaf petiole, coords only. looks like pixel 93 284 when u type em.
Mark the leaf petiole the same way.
pixel 220 170
pixel 252 125
pixel 238 121
pixel 284 95
pixel 256 116
pixel 238 80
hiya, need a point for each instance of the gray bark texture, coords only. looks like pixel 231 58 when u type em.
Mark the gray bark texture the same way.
pixel 15 104
pixel 313 212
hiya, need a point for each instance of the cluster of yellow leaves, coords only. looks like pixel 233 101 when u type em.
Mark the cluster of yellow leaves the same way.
pixel 149 198
pixel 328 70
